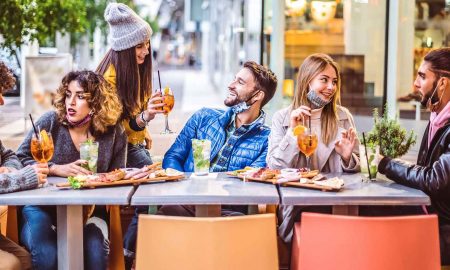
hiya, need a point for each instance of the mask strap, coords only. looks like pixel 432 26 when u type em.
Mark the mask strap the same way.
pixel 432 106
pixel 251 98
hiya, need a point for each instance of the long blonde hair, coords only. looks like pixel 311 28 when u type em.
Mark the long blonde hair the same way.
pixel 310 68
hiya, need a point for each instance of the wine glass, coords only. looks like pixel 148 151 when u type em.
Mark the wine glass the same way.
pixel 307 143
pixel 169 101
pixel 42 147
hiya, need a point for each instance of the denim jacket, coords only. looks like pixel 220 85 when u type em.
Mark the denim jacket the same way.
pixel 246 147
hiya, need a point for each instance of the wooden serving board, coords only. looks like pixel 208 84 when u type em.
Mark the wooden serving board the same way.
pixel 287 184
pixel 311 186
pixel 124 182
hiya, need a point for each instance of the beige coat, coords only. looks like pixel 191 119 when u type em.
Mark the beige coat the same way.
pixel 284 151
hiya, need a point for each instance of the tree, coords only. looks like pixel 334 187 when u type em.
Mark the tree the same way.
pixel 22 21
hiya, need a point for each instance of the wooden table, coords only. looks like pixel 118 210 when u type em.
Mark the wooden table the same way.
pixel 207 193
pixel 355 193
pixel 69 213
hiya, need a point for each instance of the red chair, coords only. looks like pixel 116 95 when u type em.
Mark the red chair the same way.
pixel 347 242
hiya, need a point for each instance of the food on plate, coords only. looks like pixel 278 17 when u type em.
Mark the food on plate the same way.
pixel 263 173
pixel 160 173
pixel 164 173
pixel 309 174
pixel 241 171
pixel 334 182
pixel 173 172
pixel 78 181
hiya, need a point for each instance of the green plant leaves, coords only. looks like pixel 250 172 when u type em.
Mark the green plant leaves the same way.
pixel 394 140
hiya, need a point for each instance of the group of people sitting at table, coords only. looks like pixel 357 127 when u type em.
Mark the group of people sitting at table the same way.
pixel 114 105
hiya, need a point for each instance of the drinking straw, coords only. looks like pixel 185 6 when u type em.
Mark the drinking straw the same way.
pixel 34 127
pixel 367 157
pixel 309 123
pixel 159 79
pixel 309 120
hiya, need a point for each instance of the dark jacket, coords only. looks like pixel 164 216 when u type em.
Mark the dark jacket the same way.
pixel 249 150
pixel 431 174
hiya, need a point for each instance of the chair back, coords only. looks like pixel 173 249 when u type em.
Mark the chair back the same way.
pixel 245 242
pixel 347 242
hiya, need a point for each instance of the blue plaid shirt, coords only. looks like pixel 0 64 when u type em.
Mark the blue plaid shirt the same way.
pixel 220 162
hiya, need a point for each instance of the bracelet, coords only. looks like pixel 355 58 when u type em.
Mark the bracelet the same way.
pixel 143 119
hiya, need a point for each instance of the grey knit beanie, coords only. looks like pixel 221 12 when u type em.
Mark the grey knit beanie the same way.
pixel 127 29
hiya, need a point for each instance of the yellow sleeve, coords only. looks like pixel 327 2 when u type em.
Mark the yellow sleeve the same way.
pixel 110 76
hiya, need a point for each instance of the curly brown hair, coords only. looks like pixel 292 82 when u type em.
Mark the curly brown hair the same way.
pixel 101 97
pixel 7 79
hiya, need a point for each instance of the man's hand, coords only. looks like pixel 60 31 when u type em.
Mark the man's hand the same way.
pixel 70 169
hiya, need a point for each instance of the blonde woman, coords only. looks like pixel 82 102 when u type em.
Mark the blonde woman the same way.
pixel 86 108
pixel 317 97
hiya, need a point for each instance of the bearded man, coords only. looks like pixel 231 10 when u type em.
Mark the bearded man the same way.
pixel 238 135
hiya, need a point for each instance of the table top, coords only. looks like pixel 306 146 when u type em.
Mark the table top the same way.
pixel 51 195
pixel 214 188
pixel 356 192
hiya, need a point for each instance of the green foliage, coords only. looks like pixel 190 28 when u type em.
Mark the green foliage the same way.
pixel 394 141
pixel 28 20
pixel 74 182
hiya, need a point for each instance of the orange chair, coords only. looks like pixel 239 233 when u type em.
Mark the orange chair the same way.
pixel 247 242
pixel 345 242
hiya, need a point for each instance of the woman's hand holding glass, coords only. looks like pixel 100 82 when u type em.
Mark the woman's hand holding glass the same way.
pixel 298 116
pixel 344 147
pixel 154 106
pixel 70 169
pixel 42 171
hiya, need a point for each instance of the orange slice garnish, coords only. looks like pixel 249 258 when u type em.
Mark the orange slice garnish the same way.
pixel 298 130
pixel 45 140
pixel 166 90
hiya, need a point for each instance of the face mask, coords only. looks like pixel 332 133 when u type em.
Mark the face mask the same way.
pixel 243 106
pixel 315 100
pixel 81 122
pixel 432 102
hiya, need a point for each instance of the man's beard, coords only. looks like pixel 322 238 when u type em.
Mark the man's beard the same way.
pixel 428 95
pixel 231 101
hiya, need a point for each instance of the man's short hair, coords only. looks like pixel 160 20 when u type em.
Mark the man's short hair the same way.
pixel 439 60
pixel 265 80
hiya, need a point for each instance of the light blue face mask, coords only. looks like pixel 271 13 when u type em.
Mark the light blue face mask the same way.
pixel 315 100
pixel 243 106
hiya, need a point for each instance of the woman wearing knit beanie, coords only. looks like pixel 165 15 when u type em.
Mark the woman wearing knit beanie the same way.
pixel 128 67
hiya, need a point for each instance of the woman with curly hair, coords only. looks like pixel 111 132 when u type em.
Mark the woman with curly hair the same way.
pixel 87 108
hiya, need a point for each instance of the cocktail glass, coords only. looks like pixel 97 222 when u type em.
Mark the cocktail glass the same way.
pixel 201 150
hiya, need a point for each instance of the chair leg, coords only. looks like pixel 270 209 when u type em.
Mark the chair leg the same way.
pixel 11 224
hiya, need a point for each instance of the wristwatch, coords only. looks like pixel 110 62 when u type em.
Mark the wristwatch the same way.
pixel 143 118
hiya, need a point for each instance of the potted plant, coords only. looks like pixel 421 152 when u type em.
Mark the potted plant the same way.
pixel 394 140
pixel 389 137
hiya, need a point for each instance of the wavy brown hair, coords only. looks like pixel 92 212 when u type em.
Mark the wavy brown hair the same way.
pixel 310 68
pixel 100 96
pixel 7 79
pixel 133 81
